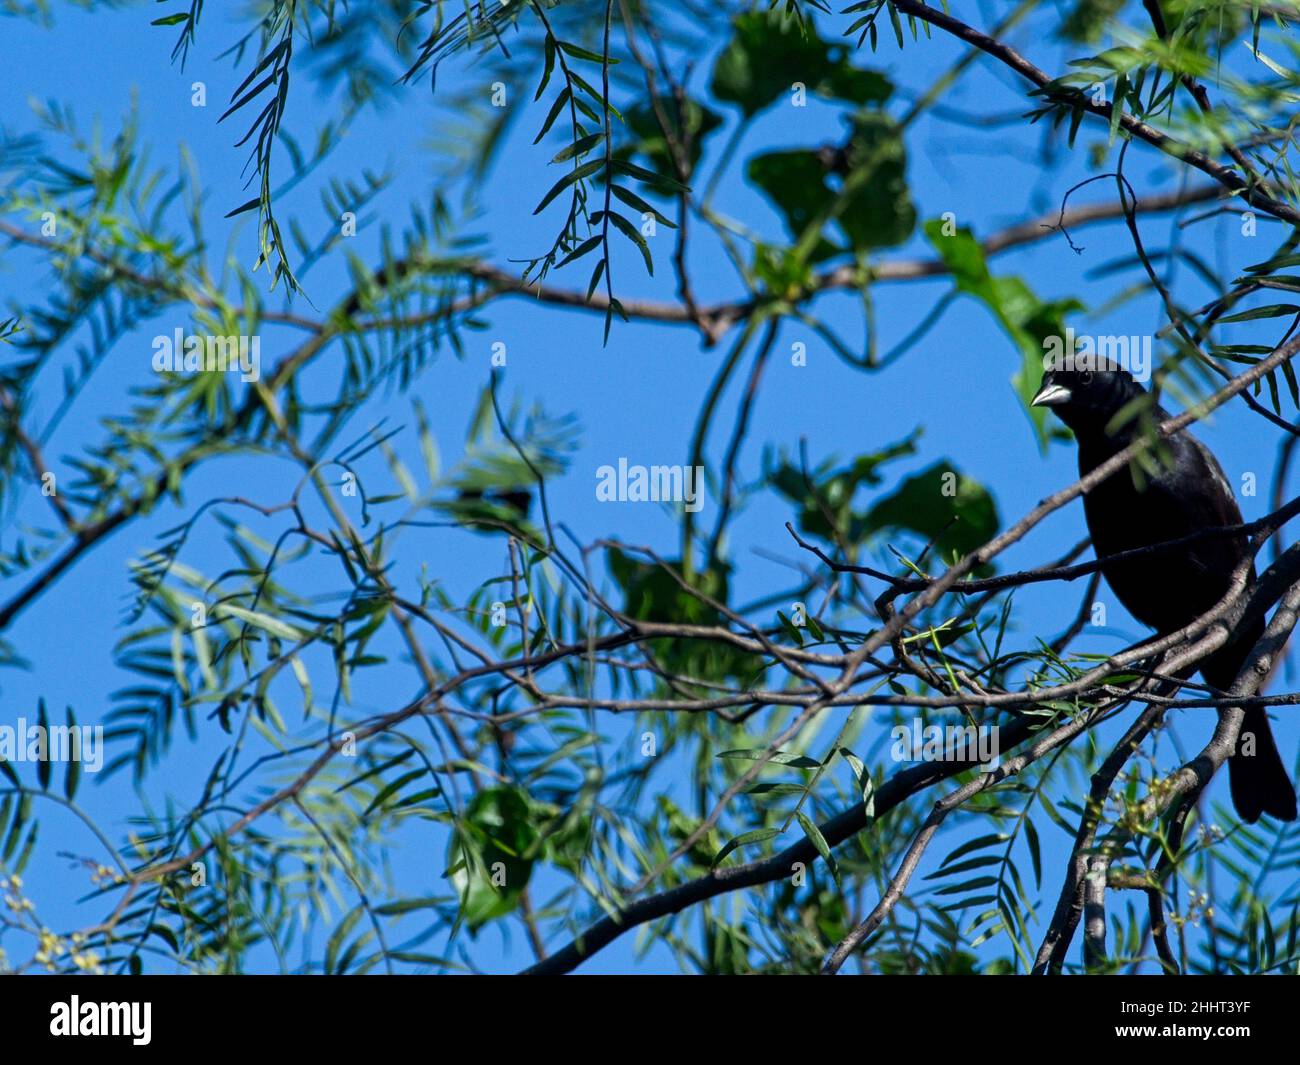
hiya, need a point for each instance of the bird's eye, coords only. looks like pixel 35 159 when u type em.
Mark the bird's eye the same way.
pixel 1086 377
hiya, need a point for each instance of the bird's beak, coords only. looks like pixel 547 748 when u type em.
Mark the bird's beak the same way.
pixel 1051 396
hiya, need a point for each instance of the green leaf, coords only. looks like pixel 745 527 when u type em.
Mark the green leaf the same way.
pixel 255 202
pixel 491 854
pixel 43 766
pixel 394 909
pixel 775 787
pixel 879 213
pixel 826 494
pixel 648 176
pixel 588 245
pixel 815 836
pixel 941 505
pixel 863 778
pixel 795 181
pixel 653 593
pixel 979 843
pixel 814 627
pixel 634 235
pixel 383 767
pixel 579 147
pixel 873 209
pixel 256 618
pixel 338 937
pixel 798 761
pixel 791 630
pixel 390 789
pixel 769 52
pixel 582 53
pixel 637 204
pixel 573 176
pixel 1087 21
pixel 650 143
pixel 552 115
pixel 1273 310
pixel 758 835
pixel 73 777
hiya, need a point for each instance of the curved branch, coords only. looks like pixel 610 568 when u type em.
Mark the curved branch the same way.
pixel 1224 175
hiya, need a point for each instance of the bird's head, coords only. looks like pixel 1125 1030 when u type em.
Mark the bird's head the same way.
pixel 1087 393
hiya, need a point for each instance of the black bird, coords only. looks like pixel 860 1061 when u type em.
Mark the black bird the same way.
pixel 1167 590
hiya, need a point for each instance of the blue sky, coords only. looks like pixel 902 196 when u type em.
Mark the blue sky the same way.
pixel 636 397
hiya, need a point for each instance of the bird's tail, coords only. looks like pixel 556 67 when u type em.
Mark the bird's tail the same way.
pixel 1257 776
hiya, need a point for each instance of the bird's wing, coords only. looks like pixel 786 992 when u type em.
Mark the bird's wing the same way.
pixel 1195 487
